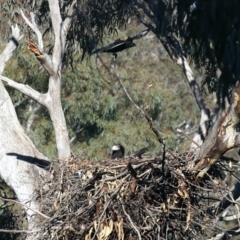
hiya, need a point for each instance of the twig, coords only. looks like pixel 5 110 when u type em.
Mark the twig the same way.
pixel 105 208
pixel 130 220
pixel 149 119
pixel 185 135
pixel 26 206
pixel 20 231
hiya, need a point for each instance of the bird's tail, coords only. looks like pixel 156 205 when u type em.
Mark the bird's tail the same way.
pixel 140 152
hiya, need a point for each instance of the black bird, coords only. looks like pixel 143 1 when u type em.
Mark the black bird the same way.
pixel 120 45
pixel 117 151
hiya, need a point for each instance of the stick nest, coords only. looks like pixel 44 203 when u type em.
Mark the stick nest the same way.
pixel 150 198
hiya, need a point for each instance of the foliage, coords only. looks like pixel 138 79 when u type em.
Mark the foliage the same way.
pixel 97 111
pixel 211 34
pixel 209 30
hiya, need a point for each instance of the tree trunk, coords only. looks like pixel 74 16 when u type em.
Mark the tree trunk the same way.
pixel 222 137
pixel 22 166
pixel 56 113
pixel 19 159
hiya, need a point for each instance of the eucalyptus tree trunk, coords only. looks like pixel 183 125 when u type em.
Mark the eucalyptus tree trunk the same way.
pixel 19 159
pixel 222 137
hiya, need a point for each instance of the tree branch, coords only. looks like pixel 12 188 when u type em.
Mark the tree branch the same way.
pixel 58 49
pixel 174 49
pixel 27 90
pixel 143 7
pixel 26 206
pixel 67 22
pixel 20 231
pixel 131 222
pixel 34 27
pixel 143 21
pixel 42 57
pixel 7 52
pixel 149 119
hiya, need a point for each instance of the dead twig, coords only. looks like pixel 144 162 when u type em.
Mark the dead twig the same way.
pixel 131 222
pixel 26 206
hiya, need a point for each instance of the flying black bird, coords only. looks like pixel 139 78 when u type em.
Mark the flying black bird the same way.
pixel 117 151
pixel 120 45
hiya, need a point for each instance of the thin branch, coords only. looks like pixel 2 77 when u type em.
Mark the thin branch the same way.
pixel 24 205
pixel 185 135
pixel 149 119
pixel 34 27
pixel 143 21
pixel 20 231
pixel 20 101
pixel 131 222
pixel 145 10
pixel 105 208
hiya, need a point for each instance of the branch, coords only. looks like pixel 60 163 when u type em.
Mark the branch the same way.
pixel 56 19
pixel 174 49
pixel 42 57
pixel 67 22
pixel 222 137
pixel 226 201
pixel 143 21
pixel 192 140
pixel 149 119
pixel 12 45
pixel 20 231
pixel 131 222
pixel 24 205
pixel 34 27
pixel 27 90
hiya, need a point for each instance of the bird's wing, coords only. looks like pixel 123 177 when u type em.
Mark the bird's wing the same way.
pixel 141 34
pixel 108 47
pixel 115 44
pixel 119 42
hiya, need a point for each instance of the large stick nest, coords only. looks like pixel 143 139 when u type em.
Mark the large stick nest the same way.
pixel 152 198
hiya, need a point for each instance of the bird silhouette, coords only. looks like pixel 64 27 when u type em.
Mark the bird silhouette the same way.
pixel 118 152
pixel 120 45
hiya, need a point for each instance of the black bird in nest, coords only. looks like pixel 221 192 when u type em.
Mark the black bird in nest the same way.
pixel 118 152
pixel 120 45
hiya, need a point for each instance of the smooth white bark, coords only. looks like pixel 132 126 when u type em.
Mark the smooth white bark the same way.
pixel 52 99
pixel 18 155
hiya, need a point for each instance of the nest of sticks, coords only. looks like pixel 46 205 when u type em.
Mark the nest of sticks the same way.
pixel 149 198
